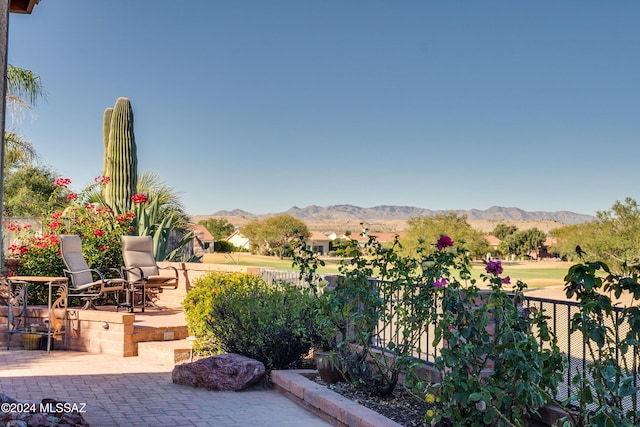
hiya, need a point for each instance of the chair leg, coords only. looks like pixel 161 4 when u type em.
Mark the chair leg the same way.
pixel 88 305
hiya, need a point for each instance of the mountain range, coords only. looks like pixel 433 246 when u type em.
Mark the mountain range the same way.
pixel 389 212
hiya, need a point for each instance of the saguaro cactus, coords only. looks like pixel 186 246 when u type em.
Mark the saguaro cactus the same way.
pixel 120 156
pixel 106 125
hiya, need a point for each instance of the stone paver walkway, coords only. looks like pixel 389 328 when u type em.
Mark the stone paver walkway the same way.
pixel 138 392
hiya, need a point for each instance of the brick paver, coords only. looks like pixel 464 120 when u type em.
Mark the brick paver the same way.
pixel 133 391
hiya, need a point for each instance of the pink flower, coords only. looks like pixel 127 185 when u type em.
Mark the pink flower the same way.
pixel 494 267
pixel 102 180
pixel 72 196
pixel 444 242
pixel 440 284
pixel 62 182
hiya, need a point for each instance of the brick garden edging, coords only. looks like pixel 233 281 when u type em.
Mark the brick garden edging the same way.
pixel 328 405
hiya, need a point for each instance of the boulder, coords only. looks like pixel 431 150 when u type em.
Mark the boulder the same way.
pixel 224 372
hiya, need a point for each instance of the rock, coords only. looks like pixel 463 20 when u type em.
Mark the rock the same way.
pixel 6 399
pixel 224 372
pixel 40 419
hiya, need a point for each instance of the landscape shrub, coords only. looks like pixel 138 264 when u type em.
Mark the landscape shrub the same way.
pixel 240 313
pixel 607 394
pixel 223 246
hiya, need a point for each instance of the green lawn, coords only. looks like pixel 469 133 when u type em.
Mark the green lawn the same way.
pixel 534 274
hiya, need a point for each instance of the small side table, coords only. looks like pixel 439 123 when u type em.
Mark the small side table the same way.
pixel 21 300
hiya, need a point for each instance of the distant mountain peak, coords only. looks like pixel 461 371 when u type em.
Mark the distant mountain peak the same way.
pixel 391 212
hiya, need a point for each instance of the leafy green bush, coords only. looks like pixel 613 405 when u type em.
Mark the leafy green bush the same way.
pixel 240 313
pixel 223 246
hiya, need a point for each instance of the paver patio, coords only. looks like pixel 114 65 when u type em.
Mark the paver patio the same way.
pixel 138 392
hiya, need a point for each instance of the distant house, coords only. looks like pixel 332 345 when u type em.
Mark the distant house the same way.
pixel 203 240
pixel 238 240
pixel 382 237
pixel 493 242
pixel 319 242
pixel 544 251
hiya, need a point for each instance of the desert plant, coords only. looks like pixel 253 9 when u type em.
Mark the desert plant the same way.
pixel 120 156
pixel 240 313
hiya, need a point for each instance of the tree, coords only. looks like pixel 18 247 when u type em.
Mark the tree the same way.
pixel 613 238
pixel 219 228
pixel 24 89
pixel 431 228
pixel 344 248
pixel 24 192
pixel 274 234
pixel 28 191
pixel 503 230
pixel 18 152
pixel 523 243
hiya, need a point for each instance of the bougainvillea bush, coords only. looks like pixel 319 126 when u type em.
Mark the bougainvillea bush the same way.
pixel 36 252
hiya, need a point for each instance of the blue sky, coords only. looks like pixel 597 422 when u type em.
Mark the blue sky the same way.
pixel 264 105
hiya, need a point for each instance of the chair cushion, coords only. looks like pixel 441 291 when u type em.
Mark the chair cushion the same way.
pixel 71 250
pixel 137 251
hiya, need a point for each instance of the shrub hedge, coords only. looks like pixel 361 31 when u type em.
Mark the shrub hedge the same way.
pixel 240 313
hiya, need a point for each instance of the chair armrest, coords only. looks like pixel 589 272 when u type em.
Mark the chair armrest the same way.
pixel 170 267
pixel 105 284
pixel 135 271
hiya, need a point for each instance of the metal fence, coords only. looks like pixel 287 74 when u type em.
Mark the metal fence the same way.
pixel 559 312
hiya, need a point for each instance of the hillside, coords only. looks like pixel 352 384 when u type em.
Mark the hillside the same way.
pixel 393 218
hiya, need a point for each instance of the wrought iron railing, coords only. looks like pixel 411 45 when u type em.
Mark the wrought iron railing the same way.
pixel 559 312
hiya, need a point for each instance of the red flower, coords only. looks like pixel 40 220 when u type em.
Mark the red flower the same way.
pixel 444 242
pixel 102 180
pixel 62 182
pixel 103 248
pixel 54 225
pixel 72 196
pixel 98 233
pixel 103 210
pixel 56 215
pixel 139 199
pixel 13 227
pixel 122 218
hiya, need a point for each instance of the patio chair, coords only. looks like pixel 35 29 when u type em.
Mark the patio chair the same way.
pixel 84 282
pixel 142 270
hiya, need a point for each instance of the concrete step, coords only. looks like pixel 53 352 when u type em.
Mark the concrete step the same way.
pixel 174 351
